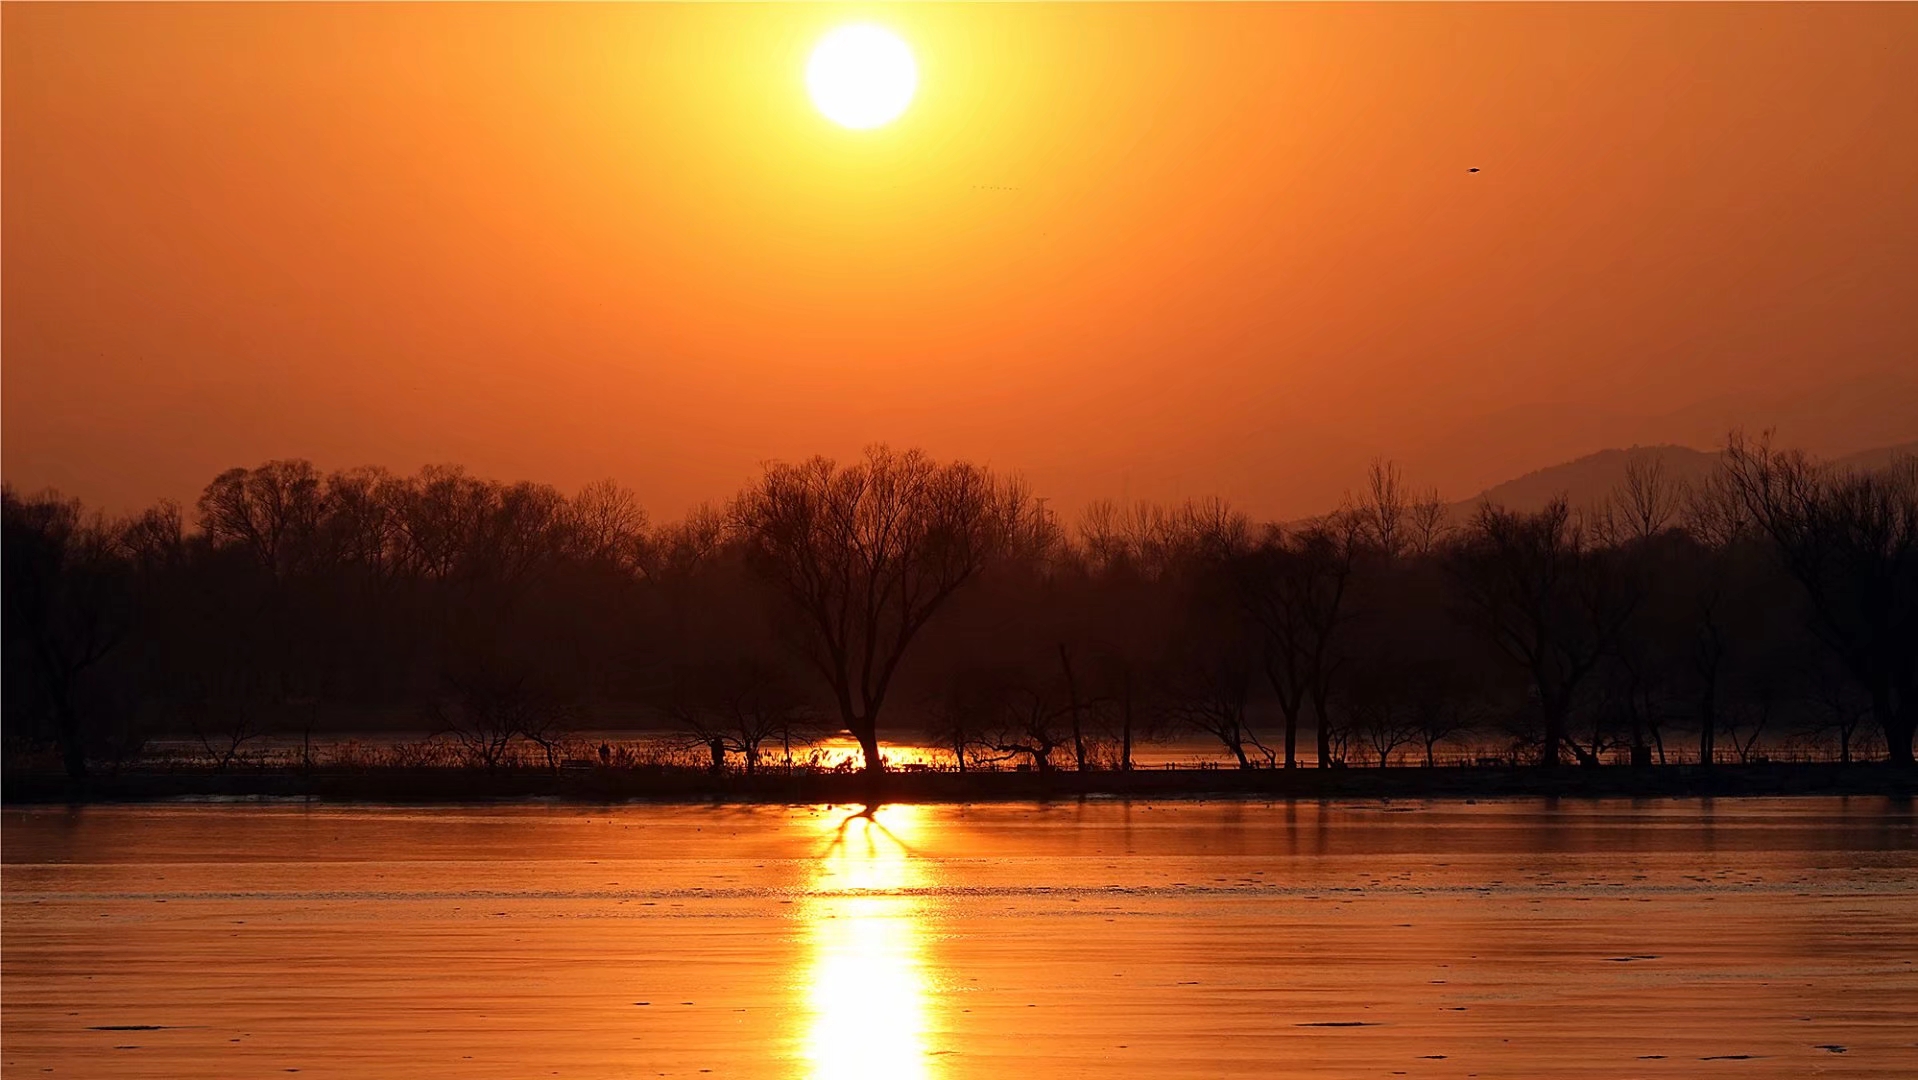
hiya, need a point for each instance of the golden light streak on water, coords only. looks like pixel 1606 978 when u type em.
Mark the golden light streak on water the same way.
pixel 867 988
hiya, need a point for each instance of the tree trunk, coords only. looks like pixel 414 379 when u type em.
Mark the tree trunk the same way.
pixel 1708 722
pixel 73 743
pixel 1072 700
pixel 867 733
pixel 1897 724
pixel 1325 728
pixel 1554 733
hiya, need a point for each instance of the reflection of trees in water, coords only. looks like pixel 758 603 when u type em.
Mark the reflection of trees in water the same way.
pixel 866 980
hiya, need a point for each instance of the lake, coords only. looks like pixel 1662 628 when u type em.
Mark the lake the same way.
pixel 1520 939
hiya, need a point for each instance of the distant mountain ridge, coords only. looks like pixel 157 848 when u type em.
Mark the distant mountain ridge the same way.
pixel 1859 415
pixel 1589 480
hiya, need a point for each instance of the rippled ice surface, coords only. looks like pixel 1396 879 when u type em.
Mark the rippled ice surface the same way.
pixel 1522 939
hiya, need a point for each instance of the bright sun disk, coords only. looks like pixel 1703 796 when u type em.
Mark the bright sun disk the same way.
pixel 861 76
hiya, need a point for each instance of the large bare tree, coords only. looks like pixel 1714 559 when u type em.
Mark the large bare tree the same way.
pixel 867 553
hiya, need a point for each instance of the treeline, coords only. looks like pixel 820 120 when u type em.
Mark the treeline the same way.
pixel 1774 604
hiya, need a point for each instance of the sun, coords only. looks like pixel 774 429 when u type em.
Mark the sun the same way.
pixel 861 76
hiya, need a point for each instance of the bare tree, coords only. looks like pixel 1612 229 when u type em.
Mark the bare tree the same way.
pixel 155 538
pixel 1535 587
pixel 1749 715
pixel 1445 705
pixel 359 525
pixel 522 531
pixel 1208 529
pixel 1649 499
pixel 490 708
pixel 1384 514
pixel 960 719
pixel 866 554
pixel 550 729
pixel 1429 523
pixel 67 606
pixel 1029 727
pixel 1206 692
pixel 682 547
pixel 223 725
pixel 1152 540
pixel 1295 589
pixel 1102 535
pixel 272 511
pixel 607 524
pixel 1851 541
pixel 737 706
pixel 1379 709
pixel 438 513
pixel 1843 707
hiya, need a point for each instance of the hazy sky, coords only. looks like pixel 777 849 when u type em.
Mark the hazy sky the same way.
pixel 1140 250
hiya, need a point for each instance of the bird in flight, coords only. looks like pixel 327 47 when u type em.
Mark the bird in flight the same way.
pixel 1471 170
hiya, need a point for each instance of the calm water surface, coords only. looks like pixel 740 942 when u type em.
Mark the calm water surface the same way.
pixel 1523 939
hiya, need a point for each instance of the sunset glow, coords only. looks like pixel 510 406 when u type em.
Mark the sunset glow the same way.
pixel 1136 251
pixel 958 541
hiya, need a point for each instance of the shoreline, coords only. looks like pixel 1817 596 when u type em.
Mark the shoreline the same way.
pixel 437 786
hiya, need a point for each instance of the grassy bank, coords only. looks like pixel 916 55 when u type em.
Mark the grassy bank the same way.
pixel 609 785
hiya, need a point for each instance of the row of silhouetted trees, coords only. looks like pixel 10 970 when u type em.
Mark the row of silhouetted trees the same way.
pixel 895 596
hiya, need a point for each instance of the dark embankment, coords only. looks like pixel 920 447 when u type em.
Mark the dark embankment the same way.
pixel 619 785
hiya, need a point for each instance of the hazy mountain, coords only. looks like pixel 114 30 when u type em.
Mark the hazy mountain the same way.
pixel 1870 414
pixel 1588 480
pixel 1876 458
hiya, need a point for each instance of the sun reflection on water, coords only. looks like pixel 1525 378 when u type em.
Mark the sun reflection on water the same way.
pixel 867 982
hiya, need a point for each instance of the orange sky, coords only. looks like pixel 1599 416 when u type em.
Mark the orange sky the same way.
pixel 1128 250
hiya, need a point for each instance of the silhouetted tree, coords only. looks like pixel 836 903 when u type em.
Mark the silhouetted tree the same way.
pixel 67 607
pixel 1430 524
pixel 1533 585
pixel 298 601
pixel 1383 517
pixel 1380 707
pixel 490 706
pixel 1030 726
pixel 737 705
pixel 1295 588
pixel 866 554
pixel 1843 707
pixel 1205 691
pixel 1851 541
pixel 1649 499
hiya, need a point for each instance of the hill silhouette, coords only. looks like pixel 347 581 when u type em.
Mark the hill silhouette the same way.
pixel 1844 418
pixel 1589 480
